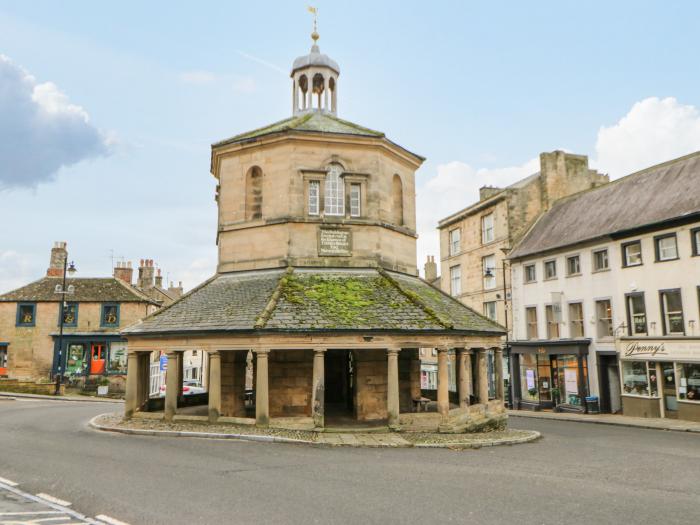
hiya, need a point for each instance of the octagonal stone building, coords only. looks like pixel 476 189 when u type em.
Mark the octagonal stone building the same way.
pixel 317 279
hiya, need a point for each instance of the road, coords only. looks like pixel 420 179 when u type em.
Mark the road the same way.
pixel 578 473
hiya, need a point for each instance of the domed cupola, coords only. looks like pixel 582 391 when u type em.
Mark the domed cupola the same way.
pixel 315 81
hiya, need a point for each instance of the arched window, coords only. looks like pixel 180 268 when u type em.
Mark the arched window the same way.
pixel 397 201
pixel 335 191
pixel 253 194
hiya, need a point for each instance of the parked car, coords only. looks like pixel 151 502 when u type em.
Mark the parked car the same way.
pixel 189 388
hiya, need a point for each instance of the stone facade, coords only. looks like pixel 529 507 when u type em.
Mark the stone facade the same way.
pixel 513 211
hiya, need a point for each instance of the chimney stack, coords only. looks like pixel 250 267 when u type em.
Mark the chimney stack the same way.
pixel 159 279
pixel 176 290
pixel 430 269
pixel 146 274
pixel 124 271
pixel 59 254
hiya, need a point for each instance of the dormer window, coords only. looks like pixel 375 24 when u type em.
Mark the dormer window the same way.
pixel 335 192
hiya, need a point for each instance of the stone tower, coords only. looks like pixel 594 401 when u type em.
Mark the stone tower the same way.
pixel 315 190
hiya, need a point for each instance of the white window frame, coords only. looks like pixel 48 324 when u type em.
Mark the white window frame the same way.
pixel 554 276
pixel 625 257
pixel 528 324
pixel 489 282
pixel 490 308
pixel 599 320
pixel 632 314
pixel 570 258
pixel 667 313
pixel 659 249
pixel 334 205
pixel 355 199
pixel 455 241
pixel 553 323
pixel 526 277
pixel 314 197
pixel 580 321
pixel 596 268
pixel 488 229
pixel 455 280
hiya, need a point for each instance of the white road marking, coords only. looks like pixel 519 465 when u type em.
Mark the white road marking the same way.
pixel 35 513
pixel 8 482
pixel 51 499
pixel 110 521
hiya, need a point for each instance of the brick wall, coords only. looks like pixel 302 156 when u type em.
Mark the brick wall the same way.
pixel 233 368
pixel 291 373
pixel 371 390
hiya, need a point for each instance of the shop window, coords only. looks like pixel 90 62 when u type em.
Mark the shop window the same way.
pixel 117 358
pixel 672 312
pixel 689 384
pixel 3 360
pixel 488 265
pixel 632 254
pixel 26 314
pixel 355 198
pixel 110 315
pixel 552 316
pixel 666 247
pixel 528 378
pixel 695 241
pixel 76 364
pixel 639 378
pixel 530 271
pixel 531 319
pixel 455 241
pixel 314 197
pixel 600 260
pixel 636 314
pixel 490 310
pixel 550 269
pixel 335 192
pixel 70 315
pixel 604 318
pixel 487 229
pixel 575 319
pixel 455 281
pixel 573 265
pixel 568 375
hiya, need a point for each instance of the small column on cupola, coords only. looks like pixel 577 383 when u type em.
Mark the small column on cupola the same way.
pixel 315 79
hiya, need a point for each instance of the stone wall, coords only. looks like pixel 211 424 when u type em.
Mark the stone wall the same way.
pixel 233 371
pixel 371 384
pixel 290 378
pixel 29 387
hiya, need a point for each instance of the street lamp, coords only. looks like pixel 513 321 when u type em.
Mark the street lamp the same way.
pixel 63 291
pixel 489 274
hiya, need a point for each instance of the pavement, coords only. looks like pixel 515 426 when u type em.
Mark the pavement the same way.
pixel 88 399
pixel 613 419
pixel 576 474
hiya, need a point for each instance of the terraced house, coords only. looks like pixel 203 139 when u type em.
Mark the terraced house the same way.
pixel 317 276
pixel 89 347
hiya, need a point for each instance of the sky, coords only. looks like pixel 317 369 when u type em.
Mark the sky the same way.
pixel 108 110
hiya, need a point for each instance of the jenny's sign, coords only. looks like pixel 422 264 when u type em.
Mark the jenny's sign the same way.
pixel 334 242
pixel 659 350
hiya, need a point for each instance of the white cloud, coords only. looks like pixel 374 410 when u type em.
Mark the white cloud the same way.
pixel 15 270
pixel 40 131
pixel 198 77
pixel 653 131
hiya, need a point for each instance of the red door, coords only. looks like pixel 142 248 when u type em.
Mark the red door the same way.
pixel 97 358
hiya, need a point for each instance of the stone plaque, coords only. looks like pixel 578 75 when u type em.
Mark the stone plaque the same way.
pixel 334 242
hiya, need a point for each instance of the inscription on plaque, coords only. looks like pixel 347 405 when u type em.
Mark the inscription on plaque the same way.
pixel 334 242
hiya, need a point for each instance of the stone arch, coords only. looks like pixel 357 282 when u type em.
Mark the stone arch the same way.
pixel 253 193
pixel 397 200
pixel 303 86
pixel 318 87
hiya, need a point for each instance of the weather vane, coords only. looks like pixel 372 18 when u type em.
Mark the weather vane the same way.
pixel 314 11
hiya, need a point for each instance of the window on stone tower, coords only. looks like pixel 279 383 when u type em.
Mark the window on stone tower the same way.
pixel 253 194
pixel 314 196
pixel 335 192
pixel 355 195
pixel 397 200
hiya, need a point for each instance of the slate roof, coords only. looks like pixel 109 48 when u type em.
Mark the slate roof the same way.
pixel 652 196
pixel 87 289
pixel 310 300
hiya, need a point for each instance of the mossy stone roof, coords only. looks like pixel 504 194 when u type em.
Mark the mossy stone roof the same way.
pixel 315 300
pixel 315 121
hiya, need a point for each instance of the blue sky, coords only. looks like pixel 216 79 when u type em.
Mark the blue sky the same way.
pixel 478 88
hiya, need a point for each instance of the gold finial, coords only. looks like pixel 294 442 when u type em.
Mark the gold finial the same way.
pixel 314 11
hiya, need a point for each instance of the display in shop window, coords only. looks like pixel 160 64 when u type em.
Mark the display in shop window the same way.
pixel 117 358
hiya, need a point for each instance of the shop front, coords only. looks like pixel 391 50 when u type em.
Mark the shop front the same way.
pixel 88 358
pixel 660 377
pixel 550 375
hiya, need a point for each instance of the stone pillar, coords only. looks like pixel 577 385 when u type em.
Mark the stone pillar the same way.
pixel 483 378
pixel 464 375
pixel 262 394
pixel 172 385
pixel 214 386
pixel 295 97
pixel 392 396
pixel 180 375
pixel 498 364
pixel 325 93
pixel 132 385
pixel 415 375
pixel 318 388
pixel 443 393
pixel 334 97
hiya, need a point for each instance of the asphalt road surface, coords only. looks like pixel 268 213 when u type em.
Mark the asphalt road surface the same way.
pixel 578 473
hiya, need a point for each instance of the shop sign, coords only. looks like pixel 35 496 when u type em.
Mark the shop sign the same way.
pixel 163 363
pixel 660 350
